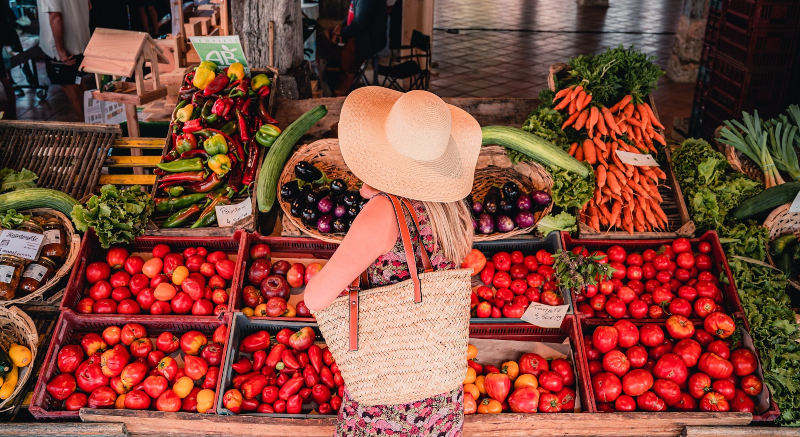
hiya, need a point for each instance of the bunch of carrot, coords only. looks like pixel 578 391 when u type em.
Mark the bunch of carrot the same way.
pixel 626 196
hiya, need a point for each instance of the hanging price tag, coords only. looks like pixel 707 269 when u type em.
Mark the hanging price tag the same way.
pixel 545 316
pixel 228 215
pixel 637 159
pixel 795 207
pixel 20 243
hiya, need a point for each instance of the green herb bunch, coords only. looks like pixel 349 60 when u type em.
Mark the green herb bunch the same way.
pixel 117 216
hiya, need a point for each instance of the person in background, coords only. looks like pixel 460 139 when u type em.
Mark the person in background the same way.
pixel 63 35
pixel 148 15
pixel 362 34
pixel 9 38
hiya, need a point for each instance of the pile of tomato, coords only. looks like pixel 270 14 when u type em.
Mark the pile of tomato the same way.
pixel 511 281
pixel 269 285
pixel 528 385
pixel 674 279
pixel 124 367
pixel 292 375
pixel 195 281
pixel 639 367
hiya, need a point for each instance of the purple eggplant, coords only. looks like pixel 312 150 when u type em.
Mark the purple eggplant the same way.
pixel 486 224
pixel 511 191
pixel 340 210
pixel 325 205
pixel 524 202
pixel 477 208
pixel 540 199
pixel 324 223
pixel 525 219
pixel 474 225
pixel 507 207
pixel 340 225
pixel 504 223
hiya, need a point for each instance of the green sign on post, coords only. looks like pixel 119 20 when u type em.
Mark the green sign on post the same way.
pixel 221 50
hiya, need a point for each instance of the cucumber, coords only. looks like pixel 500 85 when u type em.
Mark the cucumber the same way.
pixel 28 198
pixel 766 200
pixel 531 145
pixel 267 185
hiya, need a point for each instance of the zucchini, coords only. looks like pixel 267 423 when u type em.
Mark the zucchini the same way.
pixel 531 145
pixel 28 198
pixel 267 185
pixel 10 383
pixel 766 200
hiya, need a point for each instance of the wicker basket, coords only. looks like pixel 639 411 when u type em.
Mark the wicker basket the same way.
pixel 17 327
pixel 73 243
pixel 781 222
pixel 493 168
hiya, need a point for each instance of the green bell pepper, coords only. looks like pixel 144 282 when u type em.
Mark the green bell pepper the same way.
pixel 215 145
pixel 185 113
pixel 267 134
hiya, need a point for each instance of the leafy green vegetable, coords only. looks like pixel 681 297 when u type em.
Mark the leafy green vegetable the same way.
pixel 710 186
pixel 762 291
pixel 611 75
pixel 571 190
pixel 11 219
pixel 748 240
pixel 11 180
pixel 575 271
pixel 117 216
pixel 562 221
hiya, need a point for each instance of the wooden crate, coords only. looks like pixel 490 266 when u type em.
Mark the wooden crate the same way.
pixel 66 156
pixel 248 224
pixel 120 165
pixel 673 204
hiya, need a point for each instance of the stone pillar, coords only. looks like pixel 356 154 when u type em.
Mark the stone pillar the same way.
pixel 688 47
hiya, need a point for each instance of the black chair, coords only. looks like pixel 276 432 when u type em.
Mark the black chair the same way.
pixel 414 67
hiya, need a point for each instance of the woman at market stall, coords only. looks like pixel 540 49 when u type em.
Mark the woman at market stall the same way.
pixel 413 146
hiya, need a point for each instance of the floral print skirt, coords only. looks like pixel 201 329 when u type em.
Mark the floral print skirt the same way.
pixel 441 415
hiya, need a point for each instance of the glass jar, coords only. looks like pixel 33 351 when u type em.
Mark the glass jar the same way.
pixel 36 274
pixel 30 226
pixel 11 268
pixel 54 245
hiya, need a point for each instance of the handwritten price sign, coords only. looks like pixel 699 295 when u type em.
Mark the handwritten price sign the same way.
pixel 228 215
pixel 637 159
pixel 545 316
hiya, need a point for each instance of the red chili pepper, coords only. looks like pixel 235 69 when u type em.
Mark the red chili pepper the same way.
pixel 334 368
pixel 194 153
pixel 256 341
pixel 326 376
pixel 302 357
pixel 290 388
pixel 244 133
pixel 209 183
pixel 264 91
pixel 242 366
pixel 310 376
pixel 222 107
pixel 282 378
pixel 289 360
pixel 250 167
pixel 218 84
pixel 259 358
pixel 179 178
pixel 275 355
pixel 327 356
pixel 262 110
pixel 337 378
pixel 235 179
pixel 315 357
pixel 193 125
pixel 305 393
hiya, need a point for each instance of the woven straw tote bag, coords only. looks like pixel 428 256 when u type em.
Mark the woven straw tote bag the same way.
pixel 402 342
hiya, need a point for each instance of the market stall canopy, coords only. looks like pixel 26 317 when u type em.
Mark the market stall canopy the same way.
pixel 117 52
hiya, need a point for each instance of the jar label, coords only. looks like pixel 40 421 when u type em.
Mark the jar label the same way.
pixel 52 236
pixel 35 272
pixel 6 274
pixel 20 243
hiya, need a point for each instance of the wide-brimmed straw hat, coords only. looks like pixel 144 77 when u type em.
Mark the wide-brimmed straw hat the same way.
pixel 410 144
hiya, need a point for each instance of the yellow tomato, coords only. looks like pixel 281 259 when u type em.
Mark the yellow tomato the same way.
pixel 473 390
pixel 290 311
pixel 490 406
pixel 526 380
pixel 247 311
pixel 511 368
pixel 20 355
pixel 205 400
pixel 179 274
pixel 471 375
pixel 183 386
pixel 119 404
pixel 260 310
pixel 479 383
pixel 472 352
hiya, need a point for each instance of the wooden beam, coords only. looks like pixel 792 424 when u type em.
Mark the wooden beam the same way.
pixel 63 429
pixel 126 179
pixel 144 143
pixel 133 161
pixel 739 431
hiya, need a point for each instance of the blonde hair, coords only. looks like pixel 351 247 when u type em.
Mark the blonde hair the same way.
pixel 451 223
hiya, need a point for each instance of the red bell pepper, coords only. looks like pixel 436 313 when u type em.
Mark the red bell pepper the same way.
pixel 290 388
pixel 305 393
pixel 218 84
pixel 326 376
pixel 222 107
pixel 269 394
pixel 294 404
pixel 327 356
pixel 242 366
pixel 315 357
pixel 259 358
pixel 193 125
pixel 256 341
pixel 252 387
pixel 282 379
pixel 310 376
pixel 289 360
pixel 238 380
pixel 275 355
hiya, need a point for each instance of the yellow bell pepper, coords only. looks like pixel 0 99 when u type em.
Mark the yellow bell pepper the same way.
pixel 219 164
pixel 203 77
pixel 208 64
pixel 184 114
pixel 260 80
pixel 236 71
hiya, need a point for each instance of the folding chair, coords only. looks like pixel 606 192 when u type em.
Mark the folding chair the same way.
pixel 414 67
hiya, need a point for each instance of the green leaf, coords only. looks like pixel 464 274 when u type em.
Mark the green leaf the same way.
pixel 12 180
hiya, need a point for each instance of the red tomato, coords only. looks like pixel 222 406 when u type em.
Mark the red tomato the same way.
pixel 699 385
pixel 533 364
pixel 637 356
pixel 704 247
pixel 751 385
pixel 502 261
pixel 530 262
pixel 703 337
pixel 615 362
pixel 551 381
pixel 686 403
pixel 714 401
pixel 742 403
pixel 703 262
pixel 724 387
pixel 679 327
pixel 680 306
pixel 616 308
pixel 685 260
pixel 744 362
pixel 649 401
pixel 682 275
pixel 564 369
pixel 715 366
pixel 518 271
pixel 595 367
pixel 661 262
pixel 680 245
pixel 598 302
pixel 648 271
pixel 628 333
pixel 651 335
pixel 689 350
pixel 719 347
pixel 637 309
pixel 605 338
pixel 667 390
pixel 719 324
pixel 544 257
pixel 655 312
pixel 616 254
pixel 607 387
pixel 625 403
pixel 636 382
pixel 671 367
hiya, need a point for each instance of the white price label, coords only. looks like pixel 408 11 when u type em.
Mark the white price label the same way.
pixel 637 159
pixel 20 243
pixel 545 316
pixel 795 207
pixel 228 215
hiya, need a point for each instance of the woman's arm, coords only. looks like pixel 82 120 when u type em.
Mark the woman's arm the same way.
pixel 373 233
